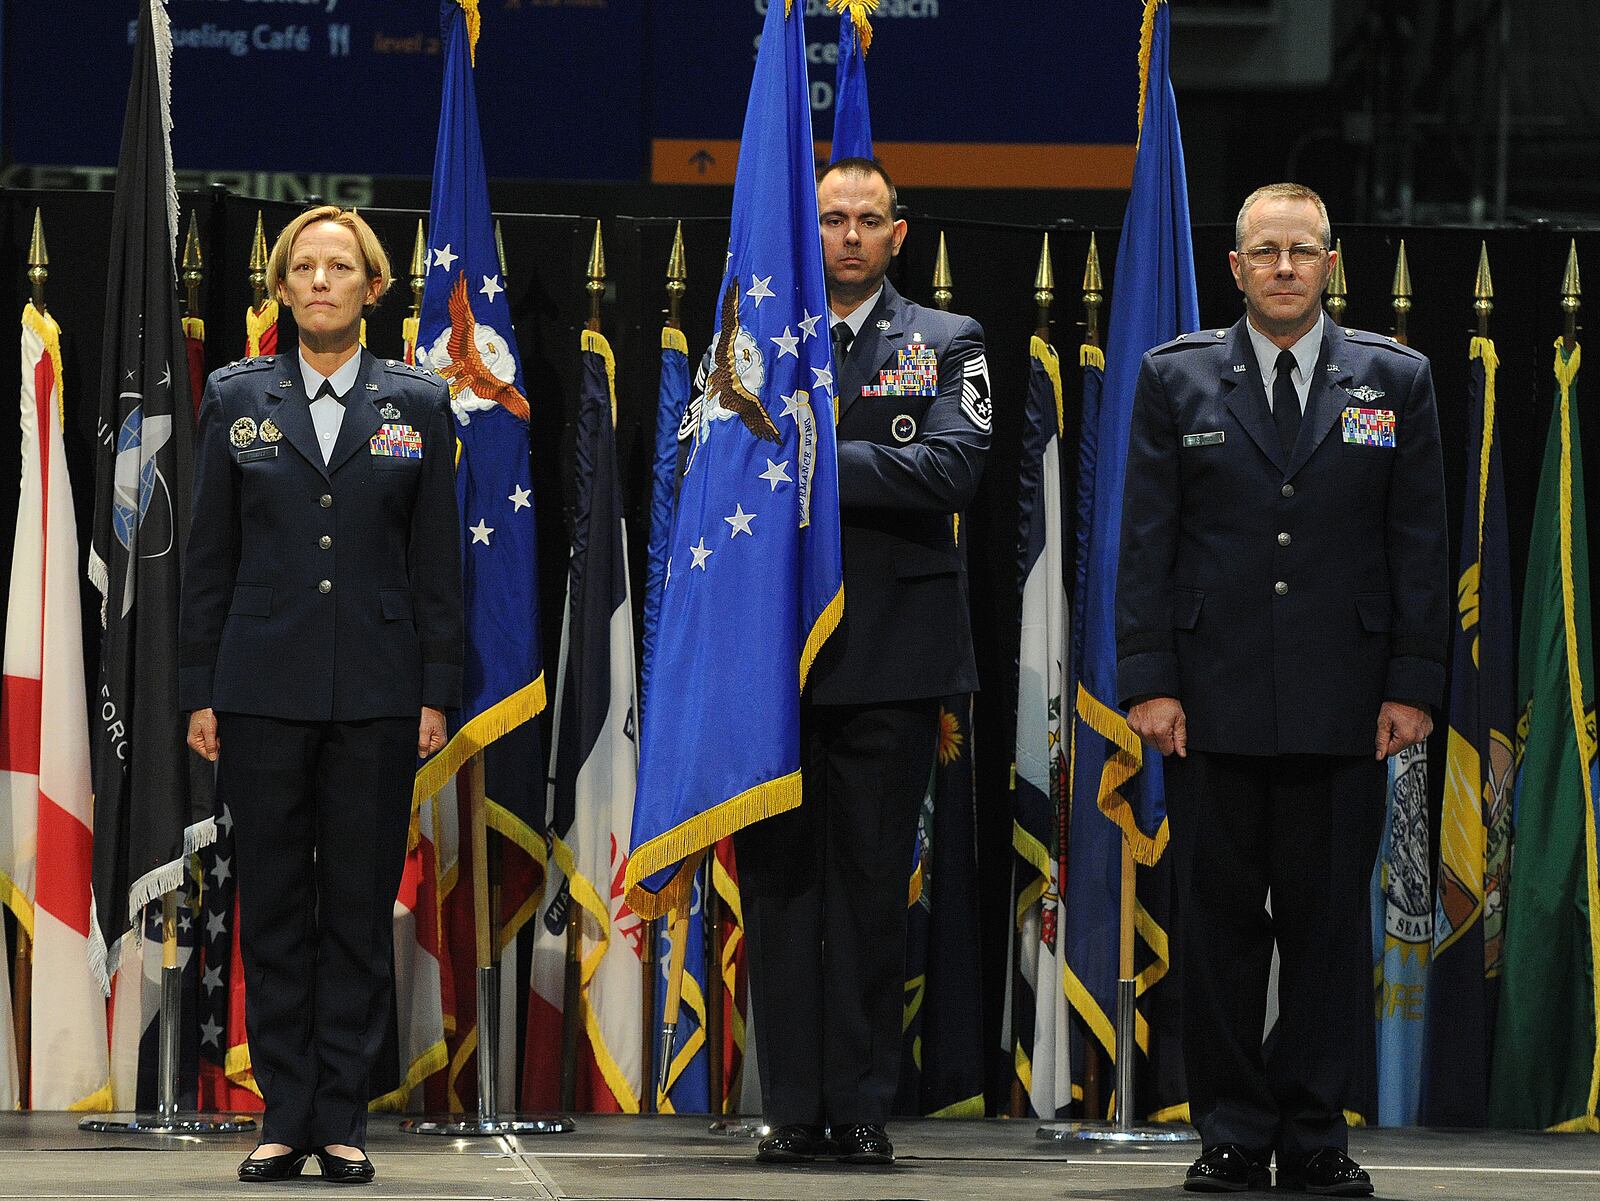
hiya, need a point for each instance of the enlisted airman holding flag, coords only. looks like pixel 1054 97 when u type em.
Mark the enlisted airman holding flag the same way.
pixel 753 584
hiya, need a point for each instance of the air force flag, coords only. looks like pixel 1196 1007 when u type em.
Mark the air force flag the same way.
pixel 465 335
pixel 753 583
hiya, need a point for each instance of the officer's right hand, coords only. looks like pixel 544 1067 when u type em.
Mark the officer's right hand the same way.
pixel 203 734
pixel 1160 720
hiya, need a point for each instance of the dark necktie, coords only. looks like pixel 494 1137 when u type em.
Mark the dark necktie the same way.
pixel 327 390
pixel 841 341
pixel 1286 403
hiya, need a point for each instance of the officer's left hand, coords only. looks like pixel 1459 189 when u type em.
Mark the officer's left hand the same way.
pixel 1400 726
pixel 430 732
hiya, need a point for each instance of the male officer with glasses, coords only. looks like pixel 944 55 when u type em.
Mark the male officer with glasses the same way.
pixel 1282 617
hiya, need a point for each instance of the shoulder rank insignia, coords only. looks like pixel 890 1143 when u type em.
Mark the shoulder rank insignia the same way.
pixel 975 400
pixel 389 413
pixel 269 431
pixel 243 432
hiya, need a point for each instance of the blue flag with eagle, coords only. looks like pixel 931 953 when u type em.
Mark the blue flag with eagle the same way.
pixel 1117 793
pixel 465 335
pixel 754 581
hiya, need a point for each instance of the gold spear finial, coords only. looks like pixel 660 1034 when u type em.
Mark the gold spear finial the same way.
pixel 943 281
pixel 38 261
pixel 193 267
pixel 1571 290
pixel 258 264
pixel 419 269
pixel 1044 287
pixel 500 253
pixel 1402 293
pixel 596 287
pixel 677 277
pixel 1483 291
pixel 1338 291
pixel 1093 293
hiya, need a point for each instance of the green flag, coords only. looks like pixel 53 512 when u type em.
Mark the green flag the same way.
pixel 1546 1069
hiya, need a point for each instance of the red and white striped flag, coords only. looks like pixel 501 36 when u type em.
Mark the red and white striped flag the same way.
pixel 45 790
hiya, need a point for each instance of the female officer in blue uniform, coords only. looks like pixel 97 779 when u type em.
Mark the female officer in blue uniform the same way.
pixel 321 642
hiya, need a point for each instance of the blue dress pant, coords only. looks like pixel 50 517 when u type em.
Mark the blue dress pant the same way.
pixel 320 814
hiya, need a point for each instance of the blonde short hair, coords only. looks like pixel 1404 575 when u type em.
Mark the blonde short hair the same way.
pixel 372 252
pixel 1282 191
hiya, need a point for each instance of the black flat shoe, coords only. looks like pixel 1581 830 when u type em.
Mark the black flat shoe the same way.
pixel 794 1143
pixel 1226 1168
pixel 1327 1173
pixel 338 1170
pixel 865 1143
pixel 272 1167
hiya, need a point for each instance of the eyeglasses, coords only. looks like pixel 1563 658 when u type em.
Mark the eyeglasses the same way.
pixel 1301 255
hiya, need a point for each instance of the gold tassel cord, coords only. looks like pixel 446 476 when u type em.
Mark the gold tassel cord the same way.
pixel 858 10
pixel 1147 35
pixel 474 27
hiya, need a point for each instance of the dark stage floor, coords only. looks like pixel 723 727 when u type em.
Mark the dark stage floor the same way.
pixel 656 1159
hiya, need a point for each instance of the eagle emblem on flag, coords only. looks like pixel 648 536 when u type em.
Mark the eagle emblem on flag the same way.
pixel 476 362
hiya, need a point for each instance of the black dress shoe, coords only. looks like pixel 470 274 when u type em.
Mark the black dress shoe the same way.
pixel 338 1170
pixel 794 1143
pixel 272 1167
pixel 1327 1173
pixel 1227 1168
pixel 864 1142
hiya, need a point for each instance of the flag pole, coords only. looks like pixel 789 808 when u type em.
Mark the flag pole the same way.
pixel 1122 1129
pixel 1338 290
pixel 485 882
pixel 1402 294
pixel 22 990
pixel 167 1119
pixel 1571 291
pixel 678 925
pixel 572 994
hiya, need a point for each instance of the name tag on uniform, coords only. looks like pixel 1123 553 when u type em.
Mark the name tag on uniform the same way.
pixel 259 452
pixel 396 441
pixel 1369 427
pixel 1212 438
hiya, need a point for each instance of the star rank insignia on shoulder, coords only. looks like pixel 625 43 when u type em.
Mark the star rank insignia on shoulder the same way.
pixel 240 366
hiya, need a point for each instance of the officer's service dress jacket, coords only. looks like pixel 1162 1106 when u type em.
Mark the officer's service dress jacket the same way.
pixel 907 462
pixel 323 591
pixel 1282 597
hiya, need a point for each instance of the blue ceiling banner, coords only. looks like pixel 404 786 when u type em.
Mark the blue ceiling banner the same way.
pixel 1031 93
pixel 335 85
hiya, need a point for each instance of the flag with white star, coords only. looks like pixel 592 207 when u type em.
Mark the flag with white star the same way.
pixel 227 1081
pixel 753 582
pixel 465 335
